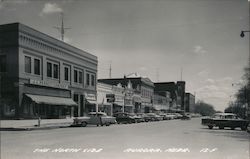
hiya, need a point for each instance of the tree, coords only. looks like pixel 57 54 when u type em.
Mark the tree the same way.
pixel 204 109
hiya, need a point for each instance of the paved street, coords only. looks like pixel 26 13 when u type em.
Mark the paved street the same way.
pixel 142 140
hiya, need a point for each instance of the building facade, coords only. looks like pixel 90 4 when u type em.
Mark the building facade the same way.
pixel 189 102
pixel 43 76
pixel 141 92
pixel 177 94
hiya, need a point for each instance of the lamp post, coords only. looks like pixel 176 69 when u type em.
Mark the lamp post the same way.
pixel 242 34
pixel 247 94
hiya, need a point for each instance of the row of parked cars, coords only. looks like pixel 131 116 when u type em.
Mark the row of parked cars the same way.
pixel 100 118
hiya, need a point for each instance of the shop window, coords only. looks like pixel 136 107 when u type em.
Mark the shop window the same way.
pixel 49 69
pixel 2 63
pixel 27 62
pixel 92 80
pixel 37 66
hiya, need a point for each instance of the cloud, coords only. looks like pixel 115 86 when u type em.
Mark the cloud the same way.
pixel 143 68
pixel 203 73
pixel 50 8
pixel 199 50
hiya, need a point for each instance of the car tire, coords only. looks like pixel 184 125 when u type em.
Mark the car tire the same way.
pixel 232 128
pixel 84 124
pixel 243 128
pixel 107 124
pixel 221 127
pixel 210 126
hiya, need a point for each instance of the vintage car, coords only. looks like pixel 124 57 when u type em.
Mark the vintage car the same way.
pixel 154 117
pixel 144 116
pixel 223 120
pixel 138 119
pixel 125 118
pixel 94 118
pixel 185 117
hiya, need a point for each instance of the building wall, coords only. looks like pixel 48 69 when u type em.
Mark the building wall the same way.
pixel 189 102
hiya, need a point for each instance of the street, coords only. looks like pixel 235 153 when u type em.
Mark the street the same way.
pixel 165 139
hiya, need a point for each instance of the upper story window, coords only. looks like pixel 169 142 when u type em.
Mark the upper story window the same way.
pixel 37 67
pixel 92 80
pixel 3 63
pixel 66 73
pixel 49 69
pixel 53 70
pixel 75 76
pixel 88 79
pixel 78 76
pixel 27 63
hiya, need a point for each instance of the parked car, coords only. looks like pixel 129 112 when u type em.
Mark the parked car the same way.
pixel 94 118
pixel 171 116
pixel 144 116
pixel 154 117
pixel 165 116
pixel 185 117
pixel 124 118
pixel 248 128
pixel 223 120
pixel 138 119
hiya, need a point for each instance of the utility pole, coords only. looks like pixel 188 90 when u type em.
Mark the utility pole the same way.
pixel 110 70
pixel 62 28
pixel 181 73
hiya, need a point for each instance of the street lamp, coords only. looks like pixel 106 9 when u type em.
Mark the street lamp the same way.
pixel 242 33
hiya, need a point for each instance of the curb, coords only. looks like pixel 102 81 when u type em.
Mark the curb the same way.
pixel 30 129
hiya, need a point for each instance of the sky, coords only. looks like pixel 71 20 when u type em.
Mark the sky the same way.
pixel 155 38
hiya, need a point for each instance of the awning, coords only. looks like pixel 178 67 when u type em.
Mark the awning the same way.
pixel 92 102
pixel 39 99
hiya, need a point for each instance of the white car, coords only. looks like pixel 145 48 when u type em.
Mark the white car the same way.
pixel 94 118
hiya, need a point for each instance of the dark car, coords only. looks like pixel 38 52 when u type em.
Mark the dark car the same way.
pixel 185 117
pixel 124 118
pixel 223 120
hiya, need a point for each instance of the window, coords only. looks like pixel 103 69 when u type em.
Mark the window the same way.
pixel 2 63
pixel 56 71
pixel 37 66
pixel 27 62
pixel 92 80
pixel 49 69
pixel 80 76
pixel 88 79
pixel 75 76
pixel 66 73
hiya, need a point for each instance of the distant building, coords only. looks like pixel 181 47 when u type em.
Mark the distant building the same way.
pixel 143 89
pixel 177 93
pixel 43 76
pixel 161 103
pixel 189 102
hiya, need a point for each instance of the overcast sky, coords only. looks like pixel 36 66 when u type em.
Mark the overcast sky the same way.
pixel 152 37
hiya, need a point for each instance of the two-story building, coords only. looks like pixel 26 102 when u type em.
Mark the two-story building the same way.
pixel 43 76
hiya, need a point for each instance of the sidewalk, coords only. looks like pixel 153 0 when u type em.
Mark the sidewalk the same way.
pixel 18 125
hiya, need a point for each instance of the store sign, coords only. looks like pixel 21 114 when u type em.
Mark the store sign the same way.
pixel 110 98
pixel 48 84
